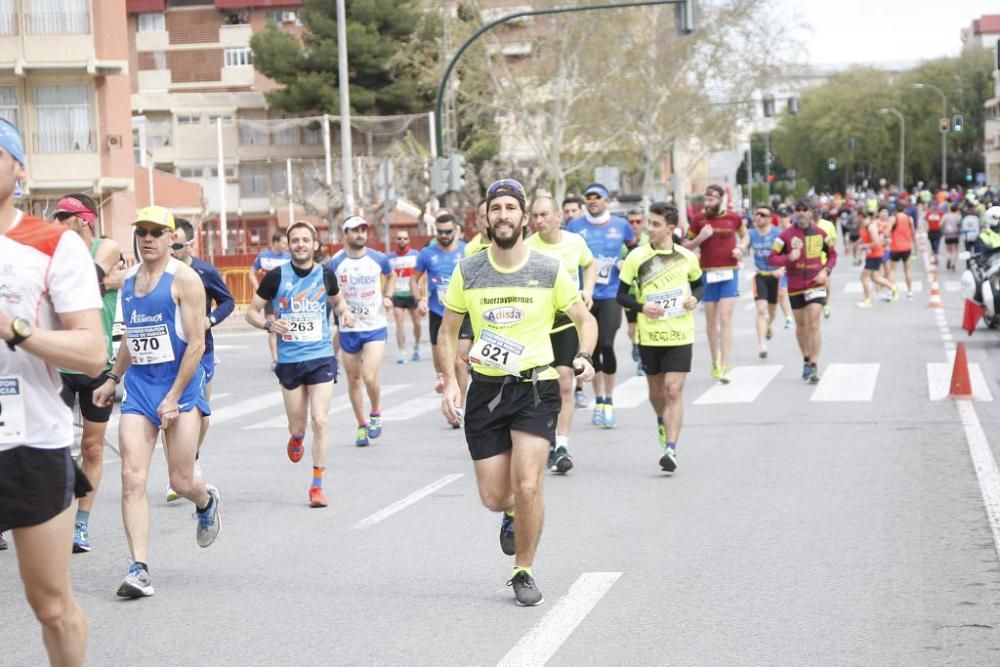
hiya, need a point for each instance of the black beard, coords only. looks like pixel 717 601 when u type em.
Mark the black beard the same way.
pixel 506 244
pixel 712 210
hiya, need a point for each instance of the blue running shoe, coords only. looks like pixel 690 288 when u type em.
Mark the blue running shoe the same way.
pixel 609 420
pixel 374 426
pixel 598 418
pixel 806 371
pixel 362 439
pixel 81 538
pixel 209 521
pixel 416 354
pixel 401 358
pixel 136 584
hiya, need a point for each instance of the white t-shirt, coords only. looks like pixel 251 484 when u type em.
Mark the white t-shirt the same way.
pixel 44 270
pixel 360 282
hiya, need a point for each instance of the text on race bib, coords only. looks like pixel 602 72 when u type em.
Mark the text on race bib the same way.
pixel 604 266
pixel 718 275
pixel 496 351
pixel 815 293
pixel 672 301
pixel 12 420
pixel 150 345
pixel 303 327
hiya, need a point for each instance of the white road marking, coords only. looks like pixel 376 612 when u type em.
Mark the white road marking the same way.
pixel 247 407
pixel 631 393
pixel 549 634
pixel 340 404
pixel 229 347
pixel 939 381
pixel 855 287
pixel 413 408
pixel 846 382
pixel 406 502
pixel 746 385
pixel 952 285
pixel 985 466
pixel 750 306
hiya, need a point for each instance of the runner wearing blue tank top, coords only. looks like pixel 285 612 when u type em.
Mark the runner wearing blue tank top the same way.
pixel 767 278
pixel 605 235
pixel 300 293
pixel 366 282
pixel 163 304
pixel 438 261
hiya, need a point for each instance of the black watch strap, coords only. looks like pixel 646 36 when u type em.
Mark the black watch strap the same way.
pixel 17 339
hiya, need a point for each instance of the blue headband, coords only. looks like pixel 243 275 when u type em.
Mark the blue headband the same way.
pixel 10 140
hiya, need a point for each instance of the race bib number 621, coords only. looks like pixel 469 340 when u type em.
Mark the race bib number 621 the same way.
pixel 496 351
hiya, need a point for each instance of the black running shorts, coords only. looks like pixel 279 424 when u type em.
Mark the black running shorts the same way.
pixel 798 301
pixel 293 375
pixel 407 302
pixel 37 484
pixel 765 288
pixel 488 433
pixel 75 385
pixel 658 359
pixel 899 256
pixel 434 324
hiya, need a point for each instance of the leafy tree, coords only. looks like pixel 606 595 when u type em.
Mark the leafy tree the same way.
pixel 391 55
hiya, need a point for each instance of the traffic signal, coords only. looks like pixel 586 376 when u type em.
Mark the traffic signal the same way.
pixel 957 122
pixel 456 173
pixel 831 164
pixel 439 176
pixel 943 124
pixel 768 106
pixel 793 106
pixel 968 174
pixel 685 17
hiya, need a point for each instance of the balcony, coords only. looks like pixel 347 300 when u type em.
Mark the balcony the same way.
pixel 241 75
pixel 55 42
pixel 235 36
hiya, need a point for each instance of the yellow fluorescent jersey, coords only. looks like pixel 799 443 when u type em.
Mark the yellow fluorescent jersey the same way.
pixel 476 245
pixel 831 232
pixel 511 311
pixel 573 253
pixel 663 276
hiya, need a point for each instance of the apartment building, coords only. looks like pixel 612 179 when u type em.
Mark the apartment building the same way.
pixel 991 140
pixel 64 83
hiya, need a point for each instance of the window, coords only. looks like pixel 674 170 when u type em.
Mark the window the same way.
pixel 226 118
pixel 312 134
pixel 8 104
pixel 280 16
pixel 279 178
pixel 8 19
pixel 189 173
pixel 64 124
pixel 284 133
pixel 239 57
pixel 58 17
pixel 253 132
pixel 230 172
pixel 158 132
pixel 253 182
pixel 187 119
pixel 152 22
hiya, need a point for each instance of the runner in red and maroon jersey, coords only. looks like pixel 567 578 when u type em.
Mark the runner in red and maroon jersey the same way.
pixel 933 218
pixel 722 239
pixel 800 250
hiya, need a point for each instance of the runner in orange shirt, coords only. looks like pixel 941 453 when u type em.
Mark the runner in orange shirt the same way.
pixel 900 248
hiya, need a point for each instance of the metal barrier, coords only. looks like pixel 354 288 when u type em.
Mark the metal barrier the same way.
pixel 238 282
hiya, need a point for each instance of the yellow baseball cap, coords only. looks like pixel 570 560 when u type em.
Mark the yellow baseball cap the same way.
pixel 156 215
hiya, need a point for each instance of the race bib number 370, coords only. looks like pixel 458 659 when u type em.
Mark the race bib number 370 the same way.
pixel 496 351
pixel 150 345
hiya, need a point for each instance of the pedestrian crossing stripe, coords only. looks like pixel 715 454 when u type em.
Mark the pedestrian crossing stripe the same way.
pixel 847 383
pixel 856 288
pixel 746 384
pixel 281 421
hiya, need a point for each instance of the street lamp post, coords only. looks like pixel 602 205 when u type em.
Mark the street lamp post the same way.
pixel 944 132
pixel 902 140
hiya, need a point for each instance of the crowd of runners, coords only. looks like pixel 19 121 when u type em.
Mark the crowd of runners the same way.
pixel 521 317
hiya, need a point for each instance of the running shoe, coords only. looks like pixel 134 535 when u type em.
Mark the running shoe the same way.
pixel 526 593
pixel 416 354
pixel 551 464
pixel 3 543
pixel 806 371
pixel 439 384
pixel 209 521
pixel 609 420
pixel 826 311
pixel 316 497
pixel 661 435
pixel 640 370
pixel 788 323
pixel 374 426
pixel 598 418
pixel 724 375
pixel 770 333
pixel 580 399
pixel 895 293
pixel 864 303
pixel 171 494
pixel 909 296
pixel 362 439
pixel 400 358
pixel 81 538
pixel 507 535
pixel 814 375
pixel 137 583
pixel 635 353
pixel 716 370
pixel 668 462
pixel 296 448
pixel 762 354
pixel 563 461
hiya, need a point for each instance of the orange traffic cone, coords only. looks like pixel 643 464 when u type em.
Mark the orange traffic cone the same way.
pixel 961 384
pixel 935 301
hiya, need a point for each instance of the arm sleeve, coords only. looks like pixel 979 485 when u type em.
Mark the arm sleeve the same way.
pixel 217 291
pixel 269 285
pixel 330 281
pixel 831 253
pixel 626 299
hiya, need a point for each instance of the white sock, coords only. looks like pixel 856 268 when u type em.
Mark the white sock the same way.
pixel 562 441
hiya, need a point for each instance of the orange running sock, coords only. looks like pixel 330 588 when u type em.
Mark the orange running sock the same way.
pixel 318 477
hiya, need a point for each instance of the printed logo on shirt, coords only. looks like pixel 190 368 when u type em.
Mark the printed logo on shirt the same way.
pixel 9 295
pixel 139 318
pixel 505 315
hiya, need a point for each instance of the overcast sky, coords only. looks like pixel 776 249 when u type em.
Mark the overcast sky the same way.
pixel 859 31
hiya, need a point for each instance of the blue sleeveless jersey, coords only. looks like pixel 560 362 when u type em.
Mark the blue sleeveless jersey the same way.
pixel 761 245
pixel 302 302
pixel 605 242
pixel 438 264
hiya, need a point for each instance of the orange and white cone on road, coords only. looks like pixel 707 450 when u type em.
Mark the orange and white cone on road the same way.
pixel 961 383
pixel 935 291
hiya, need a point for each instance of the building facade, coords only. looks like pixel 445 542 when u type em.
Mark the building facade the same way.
pixel 991 126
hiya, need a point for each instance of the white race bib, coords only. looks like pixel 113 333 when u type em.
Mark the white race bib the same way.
pixel 718 275
pixel 12 419
pixel 442 290
pixel 672 301
pixel 493 350
pixel 815 293
pixel 303 327
pixel 150 345
pixel 604 266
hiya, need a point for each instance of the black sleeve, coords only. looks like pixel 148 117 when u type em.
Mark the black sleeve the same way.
pixel 100 277
pixel 269 286
pixel 330 280
pixel 697 288
pixel 624 298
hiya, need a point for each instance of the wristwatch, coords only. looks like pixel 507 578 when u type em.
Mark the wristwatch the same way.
pixel 584 355
pixel 22 329
pixel 267 326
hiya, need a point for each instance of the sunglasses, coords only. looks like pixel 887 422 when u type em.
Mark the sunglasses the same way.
pixel 63 216
pixel 506 184
pixel 762 214
pixel 592 196
pixel 445 232
pixel 181 246
pixel 155 233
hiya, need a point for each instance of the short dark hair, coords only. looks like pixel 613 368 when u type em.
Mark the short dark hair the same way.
pixel 185 225
pixel 573 199
pixel 301 223
pixel 277 236
pixel 446 217
pixel 763 206
pixel 86 200
pixel 666 211
pixel 634 211
pixel 717 189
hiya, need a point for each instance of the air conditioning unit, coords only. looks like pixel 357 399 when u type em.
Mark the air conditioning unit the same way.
pixel 114 141
pixel 289 17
